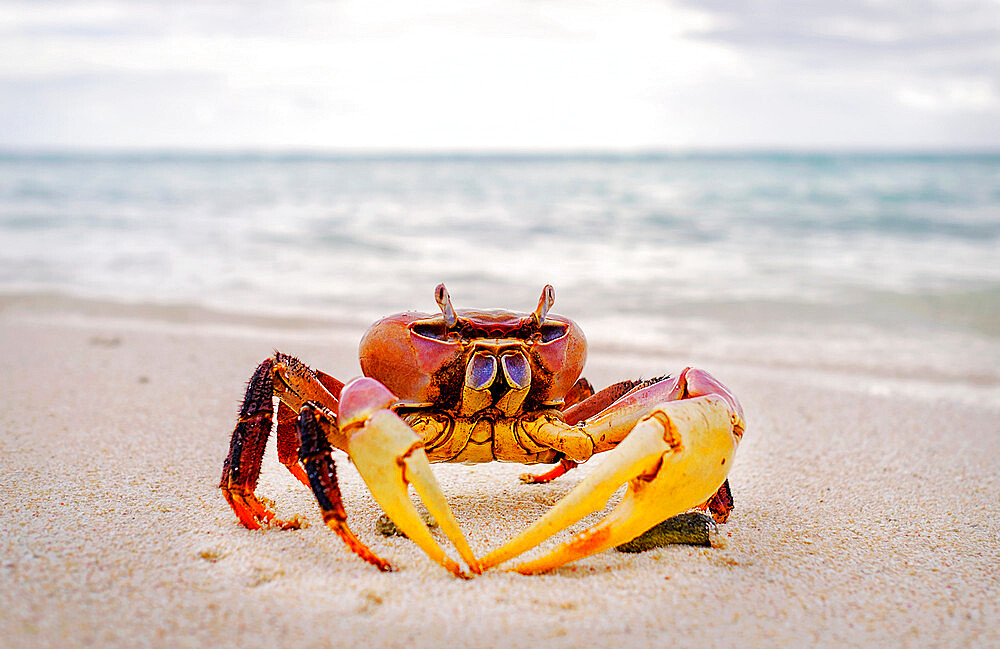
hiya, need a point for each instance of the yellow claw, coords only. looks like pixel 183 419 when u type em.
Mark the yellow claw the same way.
pixel 389 456
pixel 674 459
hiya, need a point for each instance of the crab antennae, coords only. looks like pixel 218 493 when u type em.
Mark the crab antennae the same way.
pixel 444 301
pixel 545 303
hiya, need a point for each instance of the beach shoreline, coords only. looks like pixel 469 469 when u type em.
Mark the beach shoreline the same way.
pixel 864 513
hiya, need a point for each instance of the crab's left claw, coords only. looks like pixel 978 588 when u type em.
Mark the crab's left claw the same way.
pixel 674 459
pixel 390 456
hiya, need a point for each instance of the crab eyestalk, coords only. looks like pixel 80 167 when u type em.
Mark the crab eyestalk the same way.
pixel 444 302
pixel 545 302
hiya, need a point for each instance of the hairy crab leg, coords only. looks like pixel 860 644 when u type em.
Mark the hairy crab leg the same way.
pixel 594 403
pixel 720 504
pixel 316 455
pixel 581 391
pixel 246 450
pixel 390 456
pixel 675 458
pixel 288 442
pixel 609 426
pixel 294 383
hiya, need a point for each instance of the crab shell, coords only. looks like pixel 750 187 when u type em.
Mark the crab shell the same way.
pixel 424 362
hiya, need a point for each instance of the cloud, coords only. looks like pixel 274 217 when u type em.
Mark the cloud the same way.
pixel 527 74
pixel 856 28
pixel 942 53
pixel 355 74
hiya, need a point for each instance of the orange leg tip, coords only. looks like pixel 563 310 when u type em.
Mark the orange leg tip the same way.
pixel 356 546
pixel 247 520
pixel 550 475
pixel 297 471
pixel 243 513
pixel 259 509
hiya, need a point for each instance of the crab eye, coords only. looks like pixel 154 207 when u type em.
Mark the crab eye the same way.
pixel 516 370
pixel 553 331
pixel 435 330
pixel 481 371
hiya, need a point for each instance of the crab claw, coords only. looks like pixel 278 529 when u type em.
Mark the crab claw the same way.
pixel 390 456
pixel 674 459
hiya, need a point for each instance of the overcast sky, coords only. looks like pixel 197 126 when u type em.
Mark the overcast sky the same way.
pixel 468 74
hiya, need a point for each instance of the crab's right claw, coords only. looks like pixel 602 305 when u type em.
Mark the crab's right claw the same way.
pixel 674 459
pixel 390 456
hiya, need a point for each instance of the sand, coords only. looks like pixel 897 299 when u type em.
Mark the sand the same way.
pixel 866 508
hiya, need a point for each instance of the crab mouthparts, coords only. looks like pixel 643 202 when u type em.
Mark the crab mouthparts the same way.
pixel 482 374
pixel 496 376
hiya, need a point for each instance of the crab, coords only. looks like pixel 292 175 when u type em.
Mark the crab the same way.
pixel 477 386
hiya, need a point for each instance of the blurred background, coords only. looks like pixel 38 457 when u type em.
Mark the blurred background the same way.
pixel 722 169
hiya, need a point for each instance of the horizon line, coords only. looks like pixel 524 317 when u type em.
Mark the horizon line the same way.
pixel 474 153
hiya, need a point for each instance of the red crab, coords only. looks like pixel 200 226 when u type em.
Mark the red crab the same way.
pixel 477 386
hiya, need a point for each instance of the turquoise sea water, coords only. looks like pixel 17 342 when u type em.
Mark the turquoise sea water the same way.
pixel 889 240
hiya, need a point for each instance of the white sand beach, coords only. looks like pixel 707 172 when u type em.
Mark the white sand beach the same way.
pixel 866 506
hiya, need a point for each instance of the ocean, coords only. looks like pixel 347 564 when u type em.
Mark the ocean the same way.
pixel 633 244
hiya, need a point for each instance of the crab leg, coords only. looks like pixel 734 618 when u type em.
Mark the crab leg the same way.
pixel 674 459
pixel 294 383
pixel 313 425
pixel 390 456
pixel 611 425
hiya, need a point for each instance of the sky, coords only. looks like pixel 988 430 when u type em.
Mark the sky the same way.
pixel 526 75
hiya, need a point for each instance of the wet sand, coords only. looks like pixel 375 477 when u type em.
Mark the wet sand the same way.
pixel 866 510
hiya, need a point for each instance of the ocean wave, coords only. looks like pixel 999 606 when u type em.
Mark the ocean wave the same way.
pixel 886 239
